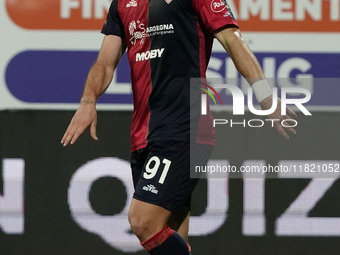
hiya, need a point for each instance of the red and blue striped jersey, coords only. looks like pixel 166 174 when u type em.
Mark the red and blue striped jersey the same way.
pixel 168 43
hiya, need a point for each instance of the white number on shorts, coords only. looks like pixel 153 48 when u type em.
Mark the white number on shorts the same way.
pixel 165 170
pixel 151 172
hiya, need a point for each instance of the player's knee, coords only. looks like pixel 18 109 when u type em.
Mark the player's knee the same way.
pixel 139 226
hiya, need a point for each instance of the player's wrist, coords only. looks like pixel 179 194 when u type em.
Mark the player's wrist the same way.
pixel 86 100
pixel 262 90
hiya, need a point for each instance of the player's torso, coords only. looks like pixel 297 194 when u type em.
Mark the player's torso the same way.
pixel 161 34
pixel 165 50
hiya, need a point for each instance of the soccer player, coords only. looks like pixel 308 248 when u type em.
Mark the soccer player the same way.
pixel 168 42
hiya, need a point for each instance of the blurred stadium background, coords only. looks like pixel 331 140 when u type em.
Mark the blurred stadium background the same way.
pixel 74 200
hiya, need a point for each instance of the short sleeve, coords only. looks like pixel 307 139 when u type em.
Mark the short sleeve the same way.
pixel 215 14
pixel 113 24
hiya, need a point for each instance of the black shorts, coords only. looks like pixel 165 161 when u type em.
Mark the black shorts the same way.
pixel 161 173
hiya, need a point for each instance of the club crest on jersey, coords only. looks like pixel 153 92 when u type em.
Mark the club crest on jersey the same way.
pixel 137 32
pixel 168 1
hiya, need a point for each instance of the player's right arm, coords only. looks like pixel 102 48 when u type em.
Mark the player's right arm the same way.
pixel 98 80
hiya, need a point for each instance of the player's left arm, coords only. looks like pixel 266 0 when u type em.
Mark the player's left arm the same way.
pixel 248 66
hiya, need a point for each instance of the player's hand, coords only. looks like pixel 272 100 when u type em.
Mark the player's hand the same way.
pixel 85 116
pixel 276 115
